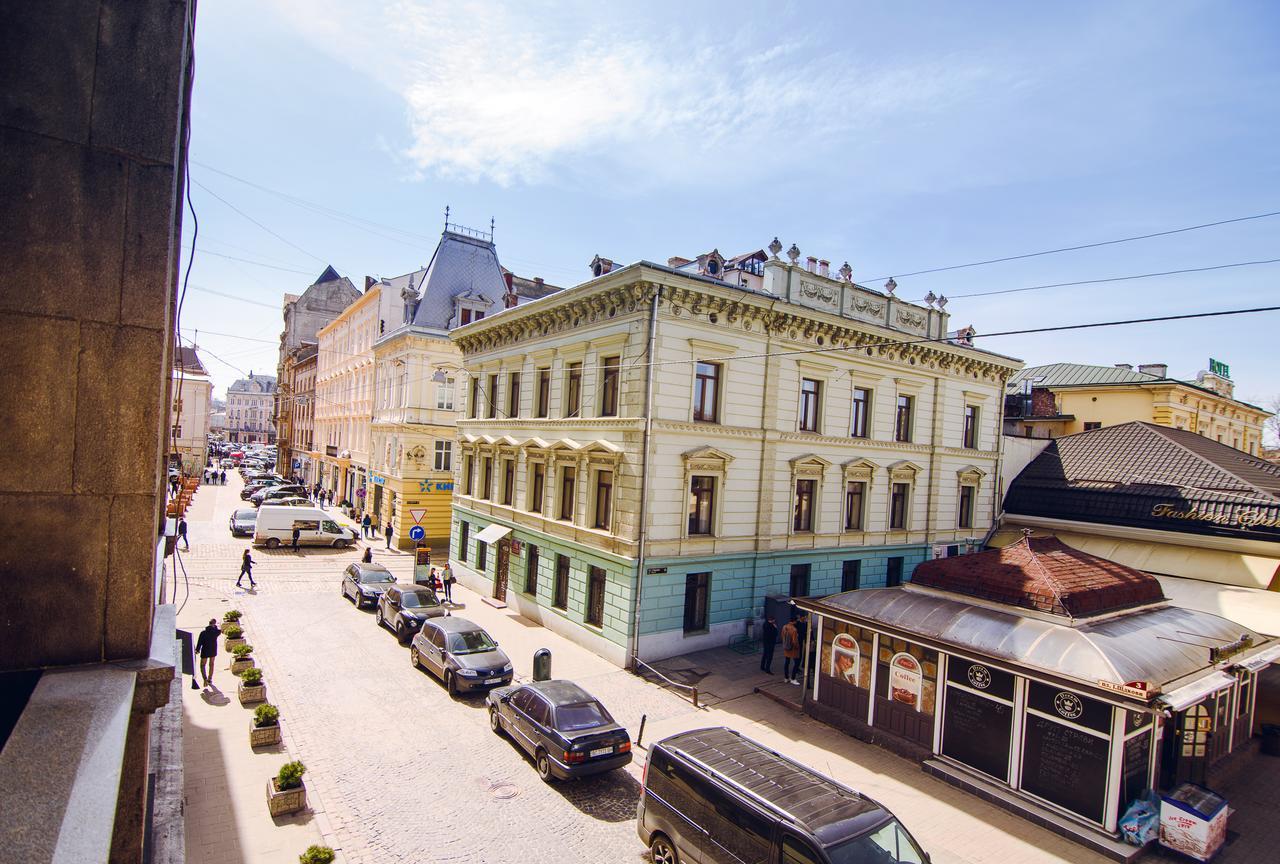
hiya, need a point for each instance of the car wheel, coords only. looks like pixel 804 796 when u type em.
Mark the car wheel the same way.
pixel 339 544
pixel 543 762
pixel 662 851
pixel 413 657
pixel 400 634
pixel 273 543
pixel 377 615
pixel 495 721
pixel 450 683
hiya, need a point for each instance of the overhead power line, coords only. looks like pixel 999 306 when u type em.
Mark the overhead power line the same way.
pixel 283 240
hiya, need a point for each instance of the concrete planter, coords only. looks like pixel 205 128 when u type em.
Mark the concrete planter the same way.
pixel 286 802
pixel 238 666
pixel 263 736
pixel 228 644
pixel 252 695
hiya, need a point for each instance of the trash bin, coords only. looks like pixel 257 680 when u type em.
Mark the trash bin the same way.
pixel 542 664
pixel 1271 739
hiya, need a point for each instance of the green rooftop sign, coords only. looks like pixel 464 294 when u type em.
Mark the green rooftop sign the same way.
pixel 1217 367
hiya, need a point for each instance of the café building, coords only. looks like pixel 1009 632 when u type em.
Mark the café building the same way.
pixel 1052 681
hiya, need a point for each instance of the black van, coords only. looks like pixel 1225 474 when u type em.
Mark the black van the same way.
pixel 712 796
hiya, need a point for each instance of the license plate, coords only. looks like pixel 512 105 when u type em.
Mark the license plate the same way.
pixel 603 751
pixel 492 680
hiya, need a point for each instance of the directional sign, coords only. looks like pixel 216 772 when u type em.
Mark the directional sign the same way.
pixel 417 515
pixel 417 533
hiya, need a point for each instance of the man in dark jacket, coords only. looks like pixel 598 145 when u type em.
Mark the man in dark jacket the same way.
pixel 769 639
pixel 297 532
pixel 388 532
pixel 207 646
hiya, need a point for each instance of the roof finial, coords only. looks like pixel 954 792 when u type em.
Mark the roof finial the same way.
pixel 446 217
pixel 491 229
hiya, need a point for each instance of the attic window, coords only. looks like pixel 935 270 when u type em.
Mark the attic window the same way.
pixel 713 267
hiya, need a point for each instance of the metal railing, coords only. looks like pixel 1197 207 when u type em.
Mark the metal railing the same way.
pixel 693 691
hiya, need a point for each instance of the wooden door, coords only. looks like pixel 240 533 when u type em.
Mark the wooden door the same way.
pixel 501 569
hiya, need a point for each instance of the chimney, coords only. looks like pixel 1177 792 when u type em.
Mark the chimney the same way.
pixel 537 280
pixel 1128 367
pixel 600 266
pixel 368 283
pixel 824 268
pixel 1160 370
pixel 509 278
pixel 811 264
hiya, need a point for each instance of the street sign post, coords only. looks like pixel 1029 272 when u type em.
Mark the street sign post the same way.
pixel 417 515
pixel 416 533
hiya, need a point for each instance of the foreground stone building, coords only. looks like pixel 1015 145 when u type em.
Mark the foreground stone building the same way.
pixel 649 456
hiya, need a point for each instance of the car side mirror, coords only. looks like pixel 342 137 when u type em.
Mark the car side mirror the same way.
pixel 505 698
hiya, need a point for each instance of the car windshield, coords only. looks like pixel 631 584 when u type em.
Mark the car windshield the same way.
pixel 888 844
pixel 471 642
pixel 245 514
pixel 584 715
pixel 371 576
pixel 418 599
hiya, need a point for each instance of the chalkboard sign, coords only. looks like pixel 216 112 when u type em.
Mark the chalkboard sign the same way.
pixel 1136 752
pixel 1065 766
pixel 979 676
pixel 976 731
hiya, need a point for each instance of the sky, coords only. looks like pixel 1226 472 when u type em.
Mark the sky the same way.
pixel 897 137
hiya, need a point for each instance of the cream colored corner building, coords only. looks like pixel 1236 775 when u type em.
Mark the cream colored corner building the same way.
pixel 834 446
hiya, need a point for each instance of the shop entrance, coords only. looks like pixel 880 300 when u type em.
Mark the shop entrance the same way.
pixel 1186 750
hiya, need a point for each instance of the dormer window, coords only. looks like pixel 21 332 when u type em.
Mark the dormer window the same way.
pixel 713 267
pixel 468 309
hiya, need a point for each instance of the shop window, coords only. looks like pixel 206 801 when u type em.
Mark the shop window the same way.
pixel 702 504
pixel 697 588
pixel 595 596
pixel 611 373
pixel 799 586
pixel 706 393
pixel 802 518
pixel 560 599
pixel 893 572
pixel 810 404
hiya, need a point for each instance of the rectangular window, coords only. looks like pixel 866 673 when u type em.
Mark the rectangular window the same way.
pixel 702 504
pixel 531 570
pixel 444 456
pixel 464 536
pixel 595 596
pixel 1088 426
pixel 513 394
pixel 850 575
pixel 474 406
pixel 609 386
pixel 468 474
pixel 810 393
pixel 970 427
pixel 573 390
pixel 696 589
pixel 898 506
pixel 902 421
pixel 706 393
pixel 803 517
pixel 604 499
pixel 561 598
pixel 966 507
pixel 544 393
pixel 479 314
pixel 486 477
pixel 444 394
pixel 799 586
pixel 508 481
pixel 465 318
pixel 893 577
pixel 537 478
pixel 855 497
pixel 482 555
pixel 567 477
pixel 492 396
pixel 861 412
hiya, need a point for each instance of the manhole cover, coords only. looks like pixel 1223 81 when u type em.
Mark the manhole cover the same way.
pixel 503 791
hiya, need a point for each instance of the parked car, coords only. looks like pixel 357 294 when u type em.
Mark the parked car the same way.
pixel 292 501
pixel 243 522
pixel 716 789
pixel 316 527
pixel 403 608
pixel 364 583
pixel 459 653
pixel 268 494
pixel 564 728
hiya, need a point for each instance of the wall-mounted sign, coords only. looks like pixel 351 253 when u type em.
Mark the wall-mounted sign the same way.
pixel 655 571
pixel 378 481
pixel 435 486
pixel 1136 689
pixel 1225 652
pixel 1217 367
pixel 905 680
pixel 1242 519
pixel 845 658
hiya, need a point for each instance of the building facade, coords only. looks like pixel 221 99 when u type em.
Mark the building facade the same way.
pixel 792 439
pixel 189 411
pixel 1066 398
pixel 302 399
pixel 251 409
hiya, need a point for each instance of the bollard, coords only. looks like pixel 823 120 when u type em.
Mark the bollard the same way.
pixel 542 665
pixel 640 734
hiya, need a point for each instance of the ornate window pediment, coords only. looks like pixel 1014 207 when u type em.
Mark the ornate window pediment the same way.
pixel 971 475
pixel 859 469
pixel 600 452
pixel 707 454
pixel 810 465
pixel 903 471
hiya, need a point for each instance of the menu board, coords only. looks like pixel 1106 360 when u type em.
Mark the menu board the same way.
pixel 1066 766
pixel 976 731
pixel 1137 751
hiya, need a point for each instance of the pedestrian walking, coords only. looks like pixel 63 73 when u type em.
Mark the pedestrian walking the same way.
pixel 222 476
pixel 324 493
pixel 297 532
pixel 182 533
pixel 246 569
pixel 388 532
pixel 790 652
pixel 207 645
pixel 366 526
pixel 768 641
pixel 448 578
pixel 368 555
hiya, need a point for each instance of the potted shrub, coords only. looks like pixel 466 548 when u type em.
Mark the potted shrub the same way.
pixel 233 635
pixel 264 729
pixel 243 658
pixel 285 792
pixel 317 855
pixel 232 616
pixel 252 689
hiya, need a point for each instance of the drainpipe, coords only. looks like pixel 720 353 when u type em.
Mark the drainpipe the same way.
pixel 642 533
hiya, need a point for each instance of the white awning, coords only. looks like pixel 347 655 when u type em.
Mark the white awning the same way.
pixel 1265 657
pixel 1185 697
pixel 493 533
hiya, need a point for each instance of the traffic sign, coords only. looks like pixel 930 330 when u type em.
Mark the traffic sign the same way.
pixel 417 515
pixel 417 533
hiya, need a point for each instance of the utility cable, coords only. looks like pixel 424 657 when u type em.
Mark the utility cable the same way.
pixel 284 240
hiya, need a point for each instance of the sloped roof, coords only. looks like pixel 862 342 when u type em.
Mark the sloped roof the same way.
pixel 460 265
pixel 1044 574
pixel 1150 476
pixel 1064 374
pixel 329 275
pixel 186 359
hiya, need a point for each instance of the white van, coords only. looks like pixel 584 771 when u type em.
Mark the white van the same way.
pixel 318 528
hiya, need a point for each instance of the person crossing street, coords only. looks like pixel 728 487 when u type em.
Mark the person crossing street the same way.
pixel 246 569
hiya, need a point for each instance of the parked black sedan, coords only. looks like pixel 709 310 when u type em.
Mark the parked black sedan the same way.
pixel 364 583
pixel 460 654
pixel 403 608
pixel 566 730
